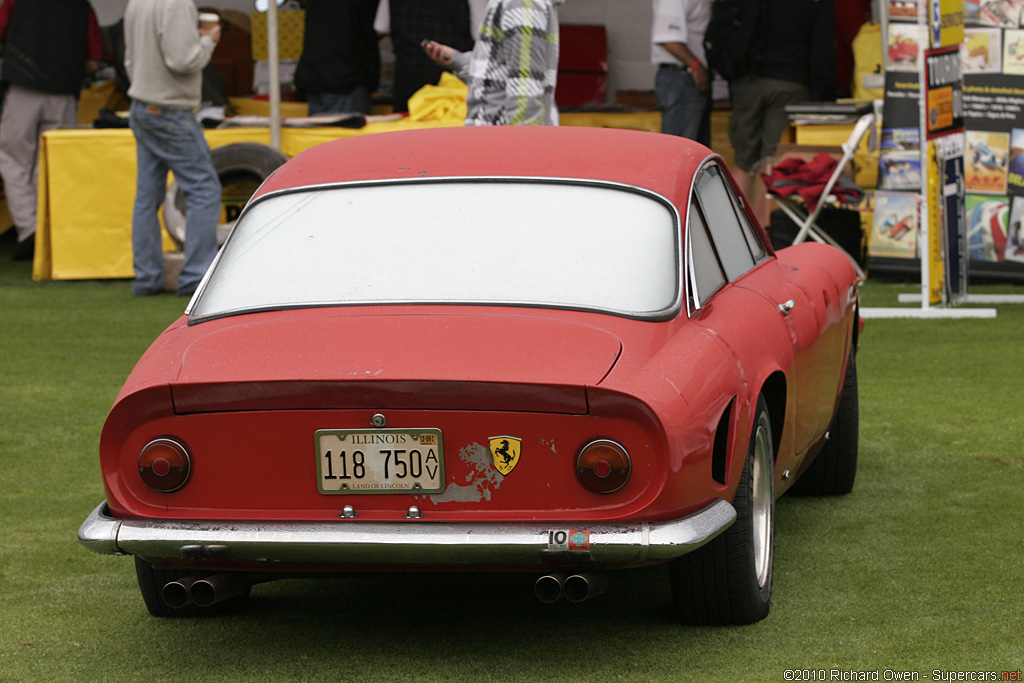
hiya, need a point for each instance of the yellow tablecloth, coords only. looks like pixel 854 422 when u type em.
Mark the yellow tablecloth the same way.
pixel 87 187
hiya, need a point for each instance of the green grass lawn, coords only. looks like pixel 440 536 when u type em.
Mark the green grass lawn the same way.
pixel 920 568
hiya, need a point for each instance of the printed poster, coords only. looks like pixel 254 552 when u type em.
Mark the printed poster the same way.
pixel 945 23
pixel 982 50
pixel 986 161
pixel 1015 177
pixel 904 44
pixel 987 222
pixel 1001 13
pixel 1013 52
pixel 903 10
pixel 1014 232
pixel 899 171
pixel 943 92
pixel 895 225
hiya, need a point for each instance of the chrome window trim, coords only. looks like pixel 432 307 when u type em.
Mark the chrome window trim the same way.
pixel 666 313
pixel 693 302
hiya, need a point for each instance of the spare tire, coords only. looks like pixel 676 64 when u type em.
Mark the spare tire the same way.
pixel 242 167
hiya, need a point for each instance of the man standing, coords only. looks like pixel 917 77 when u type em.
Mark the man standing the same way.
pixel 340 63
pixel 512 70
pixel 410 22
pixel 682 85
pixel 48 47
pixel 794 60
pixel 165 52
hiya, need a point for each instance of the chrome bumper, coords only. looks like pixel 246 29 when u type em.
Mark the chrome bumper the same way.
pixel 413 542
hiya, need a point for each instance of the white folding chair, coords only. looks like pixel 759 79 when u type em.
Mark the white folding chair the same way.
pixel 806 220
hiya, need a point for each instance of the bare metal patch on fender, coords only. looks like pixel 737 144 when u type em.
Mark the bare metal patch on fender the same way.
pixel 482 480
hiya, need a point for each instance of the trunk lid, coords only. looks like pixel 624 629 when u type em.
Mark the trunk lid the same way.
pixel 343 359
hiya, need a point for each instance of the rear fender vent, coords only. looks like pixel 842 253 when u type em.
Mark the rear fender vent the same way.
pixel 721 449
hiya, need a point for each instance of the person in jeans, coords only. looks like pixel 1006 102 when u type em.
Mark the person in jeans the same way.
pixel 48 47
pixel 165 52
pixel 682 84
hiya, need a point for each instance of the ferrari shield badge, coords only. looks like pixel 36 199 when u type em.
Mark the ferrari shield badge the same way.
pixel 505 451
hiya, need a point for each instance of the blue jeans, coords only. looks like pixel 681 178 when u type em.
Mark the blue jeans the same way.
pixel 357 101
pixel 684 110
pixel 171 140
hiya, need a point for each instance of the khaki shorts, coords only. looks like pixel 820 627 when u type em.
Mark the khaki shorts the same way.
pixel 759 117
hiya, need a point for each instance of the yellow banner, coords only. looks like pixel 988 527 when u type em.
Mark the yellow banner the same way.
pixel 936 262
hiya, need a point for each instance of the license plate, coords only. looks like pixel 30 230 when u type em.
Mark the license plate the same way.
pixel 380 461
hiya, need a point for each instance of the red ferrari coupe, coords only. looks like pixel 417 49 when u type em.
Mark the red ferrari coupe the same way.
pixel 554 350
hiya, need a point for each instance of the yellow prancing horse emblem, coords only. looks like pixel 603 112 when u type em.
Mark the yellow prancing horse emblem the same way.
pixel 505 451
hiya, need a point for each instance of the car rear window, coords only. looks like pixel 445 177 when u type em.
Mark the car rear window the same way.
pixel 601 247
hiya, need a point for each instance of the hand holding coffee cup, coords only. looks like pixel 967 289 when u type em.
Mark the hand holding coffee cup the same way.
pixel 209 25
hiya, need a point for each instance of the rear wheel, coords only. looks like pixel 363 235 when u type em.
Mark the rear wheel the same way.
pixel 729 580
pixel 151 584
pixel 834 470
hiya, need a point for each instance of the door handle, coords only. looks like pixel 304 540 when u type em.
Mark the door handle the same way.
pixel 787 306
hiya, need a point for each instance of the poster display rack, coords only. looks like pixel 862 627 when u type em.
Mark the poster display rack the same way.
pixel 951 167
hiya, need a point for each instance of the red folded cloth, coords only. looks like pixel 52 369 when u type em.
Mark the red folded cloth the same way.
pixel 807 179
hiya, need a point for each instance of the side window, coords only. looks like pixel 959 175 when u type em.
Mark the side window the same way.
pixel 734 238
pixel 705 272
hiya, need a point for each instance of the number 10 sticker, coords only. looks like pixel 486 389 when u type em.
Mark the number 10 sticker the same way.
pixel 569 539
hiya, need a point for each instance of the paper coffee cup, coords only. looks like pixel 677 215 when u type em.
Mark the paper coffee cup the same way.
pixel 208 20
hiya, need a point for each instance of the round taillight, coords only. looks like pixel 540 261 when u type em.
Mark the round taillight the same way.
pixel 603 466
pixel 164 465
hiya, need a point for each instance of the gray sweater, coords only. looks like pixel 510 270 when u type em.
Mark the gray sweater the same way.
pixel 164 53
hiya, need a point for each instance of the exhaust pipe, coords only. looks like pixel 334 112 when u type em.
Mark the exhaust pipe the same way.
pixel 580 587
pixel 177 594
pixel 203 592
pixel 548 588
pixel 216 588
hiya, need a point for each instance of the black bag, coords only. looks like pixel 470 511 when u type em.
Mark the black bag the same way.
pixel 842 225
pixel 732 35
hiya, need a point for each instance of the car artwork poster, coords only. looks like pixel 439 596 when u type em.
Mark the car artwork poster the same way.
pixel 1015 171
pixel 987 222
pixel 903 48
pixel 895 225
pixel 986 163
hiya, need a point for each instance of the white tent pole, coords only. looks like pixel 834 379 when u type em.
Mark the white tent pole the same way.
pixel 273 59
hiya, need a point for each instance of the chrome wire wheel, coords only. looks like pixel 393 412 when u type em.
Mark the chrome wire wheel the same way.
pixel 762 503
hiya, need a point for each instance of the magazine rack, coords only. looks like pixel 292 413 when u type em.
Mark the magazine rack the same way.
pixel 806 220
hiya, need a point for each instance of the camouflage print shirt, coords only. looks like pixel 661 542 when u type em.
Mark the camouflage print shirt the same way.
pixel 512 69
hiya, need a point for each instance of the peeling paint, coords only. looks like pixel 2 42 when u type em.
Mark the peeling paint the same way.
pixel 480 482
pixel 550 443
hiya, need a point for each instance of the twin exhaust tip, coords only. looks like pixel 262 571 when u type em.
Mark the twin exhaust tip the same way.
pixel 203 592
pixel 575 587
pixel 209 591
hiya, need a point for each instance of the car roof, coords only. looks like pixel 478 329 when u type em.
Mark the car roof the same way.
pixel 662 163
